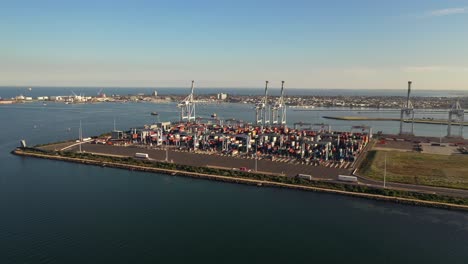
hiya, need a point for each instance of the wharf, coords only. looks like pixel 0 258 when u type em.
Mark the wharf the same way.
pixel 205 159
pixel 359 193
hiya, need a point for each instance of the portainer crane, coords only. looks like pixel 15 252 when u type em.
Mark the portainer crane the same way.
pixel 278 111
pixel 187 107
pixel 262 109
pixel 456 116
pixel 407 113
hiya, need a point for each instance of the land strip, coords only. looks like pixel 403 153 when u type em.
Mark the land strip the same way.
pixel 262 180
pixel 418 120
pixel 450 171
pixel 203 159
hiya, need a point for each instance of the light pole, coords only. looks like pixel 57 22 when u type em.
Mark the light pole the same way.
pixel 80 136
pixel 385 171
pixel 167 151
pixel 440 136
pixel 256 156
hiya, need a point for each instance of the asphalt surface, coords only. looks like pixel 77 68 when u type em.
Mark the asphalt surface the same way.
pixel 203 160
pixel 413 187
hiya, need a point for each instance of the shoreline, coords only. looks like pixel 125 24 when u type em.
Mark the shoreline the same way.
pixel 247 181
pixel 416 121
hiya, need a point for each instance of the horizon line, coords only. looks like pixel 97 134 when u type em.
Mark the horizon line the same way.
pixel 203 87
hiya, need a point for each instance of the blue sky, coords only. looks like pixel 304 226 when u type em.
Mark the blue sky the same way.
pixel 310 44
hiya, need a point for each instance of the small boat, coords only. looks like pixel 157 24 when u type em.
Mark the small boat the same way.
pixel 154 113
pixel 214 115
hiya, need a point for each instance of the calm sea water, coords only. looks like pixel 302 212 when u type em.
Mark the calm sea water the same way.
pixel 57 212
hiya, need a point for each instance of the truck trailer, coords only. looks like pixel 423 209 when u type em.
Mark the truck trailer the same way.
pixel 305 176
pixel 347 178
pixel 142 155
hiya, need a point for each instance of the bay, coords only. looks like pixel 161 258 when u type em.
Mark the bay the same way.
pixel 57 212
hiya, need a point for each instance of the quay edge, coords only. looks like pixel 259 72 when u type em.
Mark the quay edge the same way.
pixel 247 181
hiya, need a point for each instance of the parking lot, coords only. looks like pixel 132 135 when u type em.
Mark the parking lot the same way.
pixel 286 166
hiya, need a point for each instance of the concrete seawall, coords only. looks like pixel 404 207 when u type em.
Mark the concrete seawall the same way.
pixel 233 179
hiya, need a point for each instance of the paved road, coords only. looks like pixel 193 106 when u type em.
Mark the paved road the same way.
pixel 202 160
pixel 413 187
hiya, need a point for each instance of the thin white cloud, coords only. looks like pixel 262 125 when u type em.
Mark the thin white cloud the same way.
pixel 414 69
pixel 447 12
pixel 429 69
pixel 360 71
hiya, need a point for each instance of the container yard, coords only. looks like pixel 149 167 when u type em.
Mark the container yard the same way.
pixel 265 149
pixel 268 138
pixel 281 144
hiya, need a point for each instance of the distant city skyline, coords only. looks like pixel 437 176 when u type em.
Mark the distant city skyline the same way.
pixel 360 44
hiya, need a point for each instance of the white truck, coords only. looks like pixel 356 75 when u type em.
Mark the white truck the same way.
pixel 347 178
pixel 305 176
pixel 142 155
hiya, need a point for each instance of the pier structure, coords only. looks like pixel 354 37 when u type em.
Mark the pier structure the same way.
pixel 362 129
pixel 308 143
pixel 407 113
pixel 303 125
pixel 187 107
pixel 233 121
pixel 278 111
pixel 205 120
pixel 157 137
pixel 316 127
pixel 456 117
pixel 262 109
pixel 321 127
pixel 313 146
pixel 80 136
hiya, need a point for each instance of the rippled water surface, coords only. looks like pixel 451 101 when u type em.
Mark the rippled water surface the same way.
pixel 57 212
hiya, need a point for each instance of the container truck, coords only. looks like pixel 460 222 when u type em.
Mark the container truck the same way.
pixel 245 169
pixel 305 176
pixel 142 155
pixel 347 178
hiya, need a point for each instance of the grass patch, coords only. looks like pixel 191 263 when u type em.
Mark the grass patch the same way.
pixel 418 168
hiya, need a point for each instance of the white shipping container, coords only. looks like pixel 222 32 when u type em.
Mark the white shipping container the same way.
pixel 305 176
pixel 142 155
pixel 347 178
